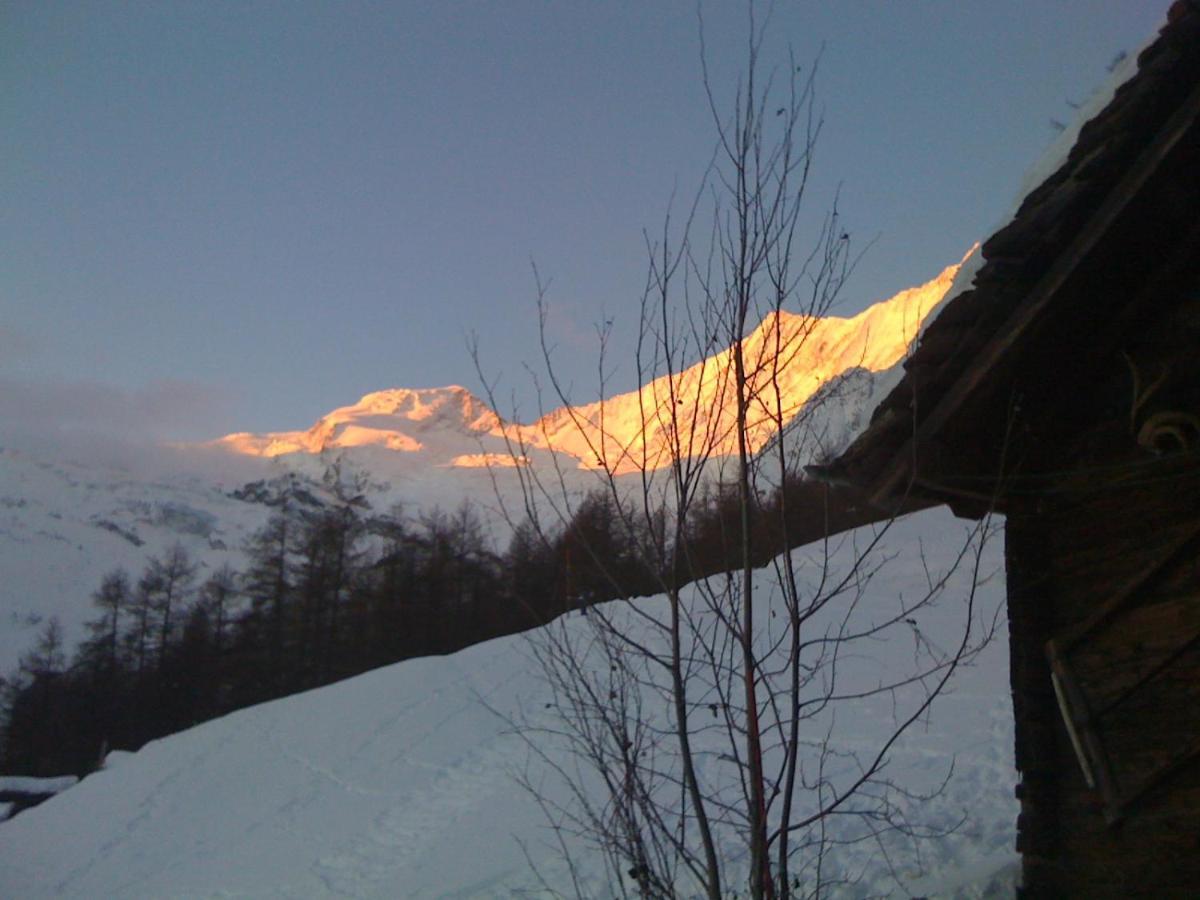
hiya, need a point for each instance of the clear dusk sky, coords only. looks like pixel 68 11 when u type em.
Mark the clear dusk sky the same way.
pixel 218 216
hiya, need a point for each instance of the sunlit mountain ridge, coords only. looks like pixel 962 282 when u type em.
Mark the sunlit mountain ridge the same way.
pixel 67 519
pixel 692 413
pixel 394 418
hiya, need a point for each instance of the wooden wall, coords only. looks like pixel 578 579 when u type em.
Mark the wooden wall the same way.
pixel 1104 565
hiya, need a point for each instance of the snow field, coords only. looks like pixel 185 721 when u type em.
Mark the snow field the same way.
pixel 400 783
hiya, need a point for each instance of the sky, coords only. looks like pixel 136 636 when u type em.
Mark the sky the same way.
pixel 223 217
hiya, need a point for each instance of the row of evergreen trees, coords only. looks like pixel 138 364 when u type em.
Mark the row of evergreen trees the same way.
pixel 328 592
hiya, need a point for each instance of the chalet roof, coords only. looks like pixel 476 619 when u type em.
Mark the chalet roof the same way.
pixel 1063 225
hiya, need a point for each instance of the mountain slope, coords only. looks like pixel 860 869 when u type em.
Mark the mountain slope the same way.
pixel 396 419
pixel 633 431
pixel 450 427
pixel 400 782
pixel 64 524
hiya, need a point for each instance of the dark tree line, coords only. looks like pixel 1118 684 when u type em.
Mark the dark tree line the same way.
pixel 328 593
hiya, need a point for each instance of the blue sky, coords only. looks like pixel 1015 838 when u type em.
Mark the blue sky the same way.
pixel 237 216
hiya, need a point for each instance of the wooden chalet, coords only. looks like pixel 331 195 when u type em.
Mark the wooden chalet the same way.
pixel 1063 390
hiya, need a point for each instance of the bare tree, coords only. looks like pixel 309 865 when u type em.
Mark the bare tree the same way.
pixel 702 728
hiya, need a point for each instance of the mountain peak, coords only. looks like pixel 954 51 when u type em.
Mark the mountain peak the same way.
pixel 395 418
pixel 632 430
pixel 416 404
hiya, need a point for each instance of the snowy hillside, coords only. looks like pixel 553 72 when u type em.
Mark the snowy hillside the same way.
pixel 401 782
pixel 64 522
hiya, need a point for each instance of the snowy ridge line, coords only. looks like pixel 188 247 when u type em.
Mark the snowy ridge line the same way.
pixel 439 424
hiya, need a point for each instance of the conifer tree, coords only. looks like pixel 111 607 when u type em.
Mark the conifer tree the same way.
pixel 268 584
pixel 218 594
pixel 112 598
pixel 169 580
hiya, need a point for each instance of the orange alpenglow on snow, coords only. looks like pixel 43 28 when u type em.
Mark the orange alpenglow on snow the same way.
pixel 375 420
pixel 634 431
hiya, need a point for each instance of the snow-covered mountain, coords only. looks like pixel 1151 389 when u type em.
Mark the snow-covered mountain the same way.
pixel 65 522
pixel 437 422
pixel 633 431
pixel 628 432
pixel 402 782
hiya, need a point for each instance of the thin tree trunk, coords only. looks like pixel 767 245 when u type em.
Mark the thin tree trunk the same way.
pixel 679 692
pixel 760 875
